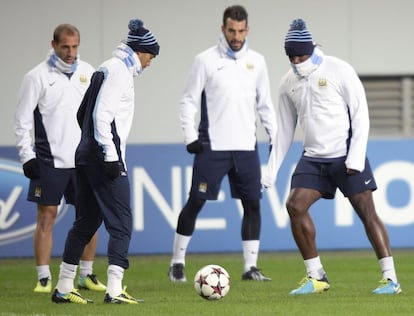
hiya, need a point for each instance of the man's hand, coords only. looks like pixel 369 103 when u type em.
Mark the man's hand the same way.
pixel 112 169
pixel 195 147
pixel 31 169
pixel 351 172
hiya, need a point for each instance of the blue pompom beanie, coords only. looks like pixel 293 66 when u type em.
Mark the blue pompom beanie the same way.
pixel 298 40
pixel 140 39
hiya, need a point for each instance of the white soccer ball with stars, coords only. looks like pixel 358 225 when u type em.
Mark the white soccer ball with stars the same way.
pixel 212 282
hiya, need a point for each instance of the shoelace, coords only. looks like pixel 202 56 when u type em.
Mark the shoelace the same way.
pixel 75 296
pixel 256 274
pixel 303 281
pixel 384 282
pixel 126 294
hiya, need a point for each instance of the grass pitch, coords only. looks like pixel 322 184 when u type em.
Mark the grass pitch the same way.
pixel 353 275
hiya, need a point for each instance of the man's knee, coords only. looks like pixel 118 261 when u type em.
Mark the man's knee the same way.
pixel 251 205
pixel 46 216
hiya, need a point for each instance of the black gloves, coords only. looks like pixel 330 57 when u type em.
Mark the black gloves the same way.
pixel 31 169
pixel 195 147
pixel 112 169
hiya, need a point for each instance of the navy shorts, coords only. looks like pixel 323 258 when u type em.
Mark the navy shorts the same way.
pixel 326 177
pixel 52 185
pixel 241 167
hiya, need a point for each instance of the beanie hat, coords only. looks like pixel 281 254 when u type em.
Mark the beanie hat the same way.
pixel 140 39
pixel 298 40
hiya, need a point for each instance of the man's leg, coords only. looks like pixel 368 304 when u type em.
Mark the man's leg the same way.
pixel 304 232
pixel 250 232
pixel 377 234
pixel 42 244
pixel 184 231
pixel 302 226
pixel 87 279
pixel 88 220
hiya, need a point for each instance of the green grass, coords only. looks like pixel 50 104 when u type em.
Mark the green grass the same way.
pixel 353 275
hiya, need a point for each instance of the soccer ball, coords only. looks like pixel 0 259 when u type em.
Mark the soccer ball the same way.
pixel 212 282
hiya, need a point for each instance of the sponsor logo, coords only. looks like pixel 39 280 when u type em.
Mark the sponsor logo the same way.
pixel 17 215
pixel 202 187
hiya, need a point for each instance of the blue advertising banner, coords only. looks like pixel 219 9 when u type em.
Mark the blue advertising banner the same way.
pixel 160 177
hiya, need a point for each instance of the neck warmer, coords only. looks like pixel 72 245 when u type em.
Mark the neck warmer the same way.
pixel 310 65
pixel 129 57
pixel 225 48
pixel 54 61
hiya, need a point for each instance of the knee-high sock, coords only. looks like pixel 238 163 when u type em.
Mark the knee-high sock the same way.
pixel 180 248
pixel 67 274
pixel 115 277
pixel 250 253
pixel 388 269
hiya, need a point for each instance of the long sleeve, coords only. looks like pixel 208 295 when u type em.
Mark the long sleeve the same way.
pixel 105 111
pixel 265 107
pixel 45 118
pixel 354 96
pixel 190 101
pixel 28 98
pixel 286 124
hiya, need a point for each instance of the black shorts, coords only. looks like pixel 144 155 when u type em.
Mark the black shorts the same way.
pixel 326 177
pixel 52 185
pixel 241 167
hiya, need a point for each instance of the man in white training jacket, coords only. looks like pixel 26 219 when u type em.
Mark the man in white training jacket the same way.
pixel 50 96
pixel 326 97
pixel 230 82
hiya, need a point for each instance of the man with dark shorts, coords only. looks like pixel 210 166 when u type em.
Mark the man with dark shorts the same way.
pixel 50 96
pixel 325 95
pixel 231 84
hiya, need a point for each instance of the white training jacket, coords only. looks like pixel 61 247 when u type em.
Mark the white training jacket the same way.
pixel 54 99
pixel 116 101
pixel 234 90
pixel 329 104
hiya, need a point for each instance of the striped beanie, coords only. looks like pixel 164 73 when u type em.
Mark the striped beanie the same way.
pixel 298 40
pixel 140 39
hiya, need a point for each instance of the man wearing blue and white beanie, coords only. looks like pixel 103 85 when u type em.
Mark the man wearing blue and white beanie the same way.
pixel 105 117
pixel 326 96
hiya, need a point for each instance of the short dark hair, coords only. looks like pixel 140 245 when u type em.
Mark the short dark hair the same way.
pixel 235 12
pixel 65 28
